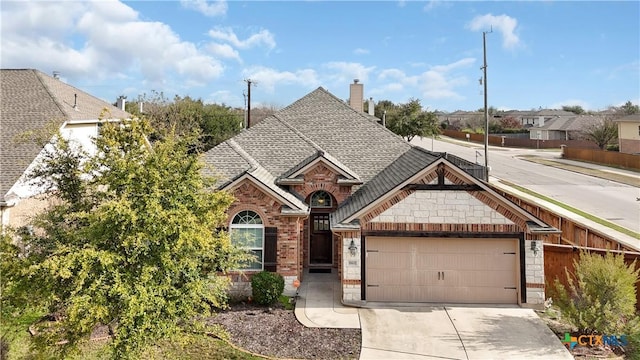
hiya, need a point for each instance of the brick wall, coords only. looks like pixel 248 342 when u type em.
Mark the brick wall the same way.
pixel 321 177
pixel 250 197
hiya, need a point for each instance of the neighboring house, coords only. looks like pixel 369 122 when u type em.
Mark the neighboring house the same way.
pixel 563 128
pixel 540 117
pixel 31 102
pixel 629 133
pixel 321 187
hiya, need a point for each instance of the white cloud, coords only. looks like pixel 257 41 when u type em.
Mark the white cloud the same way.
pixel 438 82
pixel 570 102
pixel 458 64
pixel 361 51
pixel 263 37
pixel 268 78
pixel 505 24
pixel 207 8
pixel 226 97
pixel 345 72
pixel 224 51
pixel 102 39
pixel 434 4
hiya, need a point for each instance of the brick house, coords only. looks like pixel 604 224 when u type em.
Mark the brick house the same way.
pixel 320 186
pixel 33 101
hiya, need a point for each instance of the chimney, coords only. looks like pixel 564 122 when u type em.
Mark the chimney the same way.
pixel 56 75
pixel 120 103
pixel 356 95
pixel 371 107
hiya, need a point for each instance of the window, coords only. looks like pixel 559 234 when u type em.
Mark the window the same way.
pixel 247 231
pixel 321 199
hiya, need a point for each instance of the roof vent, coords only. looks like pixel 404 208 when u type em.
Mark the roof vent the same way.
pixel 75 102
pixel 56 75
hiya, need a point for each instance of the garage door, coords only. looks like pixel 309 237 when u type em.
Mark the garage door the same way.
pixel 450 270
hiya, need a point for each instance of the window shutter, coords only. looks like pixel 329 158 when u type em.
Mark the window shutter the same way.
pixel 270 248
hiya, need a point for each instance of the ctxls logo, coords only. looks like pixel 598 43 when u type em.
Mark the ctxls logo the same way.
pixel 594 340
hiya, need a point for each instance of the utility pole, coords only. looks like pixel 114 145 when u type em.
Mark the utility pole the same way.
pixel 244 121
pixel 486 110
pixel 249 82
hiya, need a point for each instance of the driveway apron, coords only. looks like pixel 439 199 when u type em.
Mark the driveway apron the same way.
pixel 457 332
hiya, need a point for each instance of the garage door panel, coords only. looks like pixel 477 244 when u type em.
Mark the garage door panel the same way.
pixel 390 278
pixel 442 270
pixel 393 293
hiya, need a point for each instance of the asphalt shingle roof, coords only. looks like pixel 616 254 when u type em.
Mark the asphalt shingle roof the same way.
pixel 320 124
pixel 407 165
pixel 31 100
pixel 317 122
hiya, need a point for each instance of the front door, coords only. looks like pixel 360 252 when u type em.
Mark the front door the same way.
pixel 320 240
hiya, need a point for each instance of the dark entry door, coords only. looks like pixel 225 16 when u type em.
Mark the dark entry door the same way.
pixel 320 240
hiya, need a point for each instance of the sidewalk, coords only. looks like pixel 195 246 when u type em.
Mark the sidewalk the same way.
pixel 319 305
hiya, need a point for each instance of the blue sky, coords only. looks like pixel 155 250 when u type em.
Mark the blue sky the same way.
pixel 540 54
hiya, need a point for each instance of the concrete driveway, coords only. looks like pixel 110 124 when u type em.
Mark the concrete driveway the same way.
pixel 457 332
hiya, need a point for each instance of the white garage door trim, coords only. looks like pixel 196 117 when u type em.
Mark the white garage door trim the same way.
pixel 442 270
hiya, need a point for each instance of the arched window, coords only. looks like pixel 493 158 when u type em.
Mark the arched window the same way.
pixel 247 231
pixel 321 199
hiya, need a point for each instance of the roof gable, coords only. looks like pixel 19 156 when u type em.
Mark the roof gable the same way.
pixel 32 100
pixel 294 175
pixel 440 169
pixel 319 125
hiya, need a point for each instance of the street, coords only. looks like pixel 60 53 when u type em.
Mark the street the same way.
pixel 603 198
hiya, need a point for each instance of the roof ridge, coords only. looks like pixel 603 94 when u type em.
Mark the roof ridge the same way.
pixel 245 155
pixel 299 133
pixel 50 93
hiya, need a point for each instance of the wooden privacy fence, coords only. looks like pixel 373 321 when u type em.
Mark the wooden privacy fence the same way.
pixel 629 161
pixel 558 259
pixel 515 142
pixel 561 249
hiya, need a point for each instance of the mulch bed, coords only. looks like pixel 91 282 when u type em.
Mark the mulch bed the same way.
pixel 275 332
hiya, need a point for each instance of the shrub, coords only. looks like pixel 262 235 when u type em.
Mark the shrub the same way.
pixel 601 295
pixel 266 287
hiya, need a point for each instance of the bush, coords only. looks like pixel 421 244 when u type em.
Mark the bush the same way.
pixel 601 296
pixel 266 287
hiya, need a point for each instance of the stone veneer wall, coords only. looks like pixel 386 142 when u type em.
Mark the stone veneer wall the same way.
pixel 534 272
pixel 351 267
pixel 455 211
pixel 441 207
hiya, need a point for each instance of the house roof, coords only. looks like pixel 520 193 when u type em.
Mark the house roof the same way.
pixel 574 123
pixel 294 135
pixel 629 118
pixel 321 127
pixel 32 100
pixel 405 166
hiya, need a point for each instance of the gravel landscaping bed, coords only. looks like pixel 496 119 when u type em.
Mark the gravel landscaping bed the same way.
pixel 276 332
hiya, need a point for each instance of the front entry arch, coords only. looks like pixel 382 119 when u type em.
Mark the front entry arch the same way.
pixel 320 236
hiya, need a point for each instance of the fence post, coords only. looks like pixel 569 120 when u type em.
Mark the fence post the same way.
pixel 562 147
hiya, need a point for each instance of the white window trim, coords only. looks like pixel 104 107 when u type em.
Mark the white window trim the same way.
pixel 260 226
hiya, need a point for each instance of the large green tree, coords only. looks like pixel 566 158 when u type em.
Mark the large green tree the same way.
pixel 214 123
pixel 409 120
pixel 132 241
pixel 576 109
pixel 630 108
